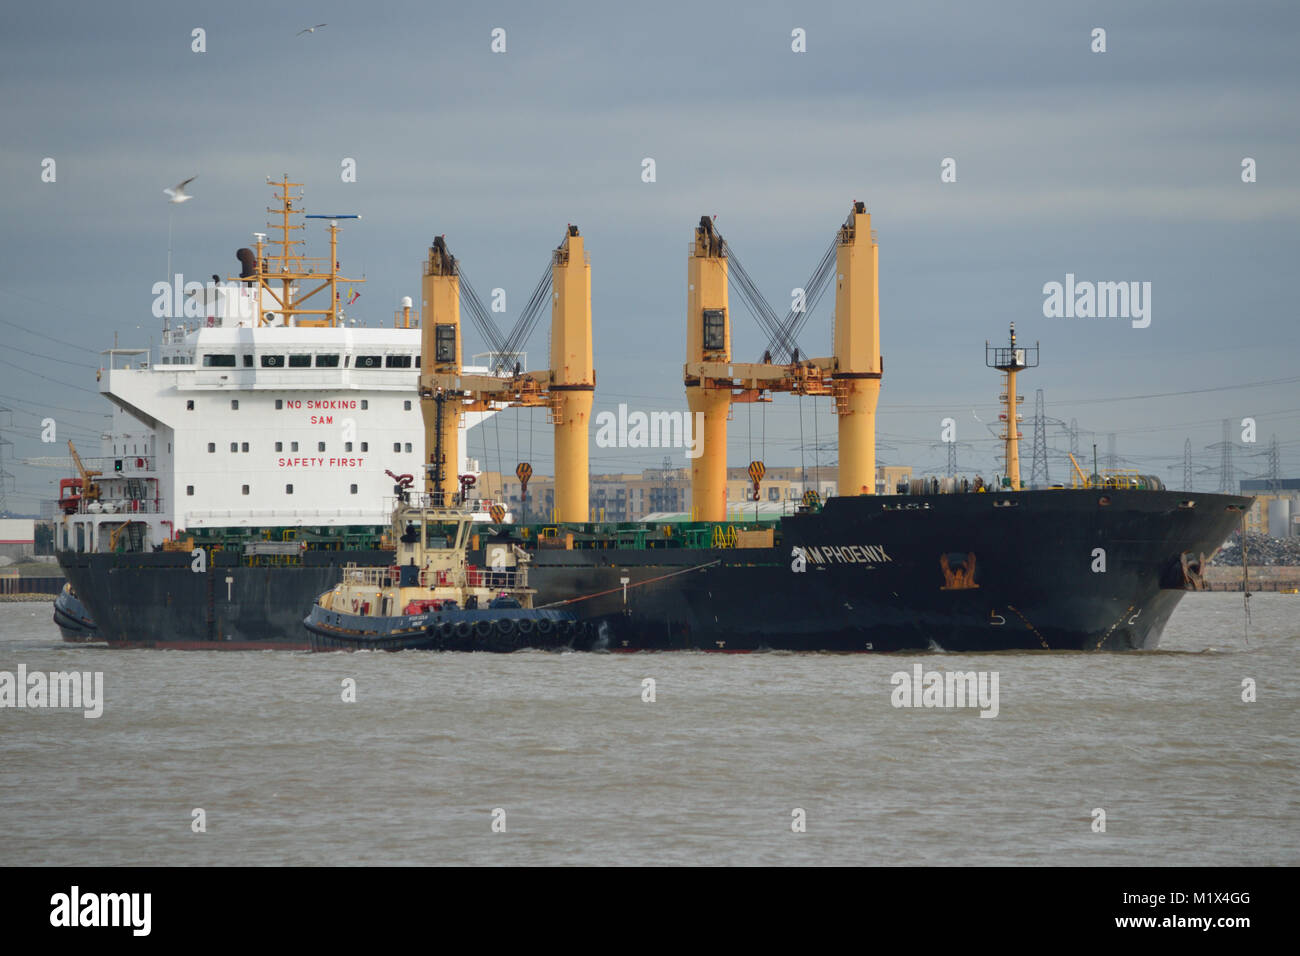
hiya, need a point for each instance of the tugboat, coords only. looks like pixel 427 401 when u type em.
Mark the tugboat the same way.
pixel 73 619
pixel 432 598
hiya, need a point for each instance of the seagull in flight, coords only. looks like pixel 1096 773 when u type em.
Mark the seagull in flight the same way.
pixel 311 29
pixel 177 194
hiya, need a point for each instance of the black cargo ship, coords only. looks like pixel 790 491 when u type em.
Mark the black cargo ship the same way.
pixel 1100 565
pixel 1097 568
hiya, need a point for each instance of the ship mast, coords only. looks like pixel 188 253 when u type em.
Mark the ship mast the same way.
pixel 1009 361
pixel 287 277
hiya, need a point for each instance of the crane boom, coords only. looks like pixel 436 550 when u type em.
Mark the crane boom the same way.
pixel 89 489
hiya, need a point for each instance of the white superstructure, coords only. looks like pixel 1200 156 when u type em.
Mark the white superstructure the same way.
pixel 257 414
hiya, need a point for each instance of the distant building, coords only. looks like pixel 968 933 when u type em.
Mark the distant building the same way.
pixel 1276 509
pixel 17 538
pixel 630 496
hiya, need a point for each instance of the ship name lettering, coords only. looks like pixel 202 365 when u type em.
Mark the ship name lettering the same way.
pixel 847 554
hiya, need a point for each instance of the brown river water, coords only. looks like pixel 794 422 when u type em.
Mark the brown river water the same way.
pixel 539 758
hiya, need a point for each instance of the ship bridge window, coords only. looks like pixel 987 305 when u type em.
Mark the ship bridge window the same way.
pixel 189 405
pixel 365 403
pixel 354 489
pixel 218 361
pixel 272 361
pixel 299 361
pixel 397 361
pixel 248 361
pixel 369 361
pixel 327 361
pixel 212 446
pixel 365 446
pixel 406 405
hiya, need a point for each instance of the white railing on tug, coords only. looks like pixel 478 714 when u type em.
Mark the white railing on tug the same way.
pixel 434 578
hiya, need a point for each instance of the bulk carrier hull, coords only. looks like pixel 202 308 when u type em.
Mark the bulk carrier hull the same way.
pixel 1072 569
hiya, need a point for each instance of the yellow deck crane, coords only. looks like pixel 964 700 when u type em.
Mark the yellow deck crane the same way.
pixel 851 376
pixel 73 491
pixel 566 389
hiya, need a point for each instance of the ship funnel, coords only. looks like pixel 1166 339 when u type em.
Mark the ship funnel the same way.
pixel 247 261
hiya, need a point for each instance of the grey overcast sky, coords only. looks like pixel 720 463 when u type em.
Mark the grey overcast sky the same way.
pixel 1122 165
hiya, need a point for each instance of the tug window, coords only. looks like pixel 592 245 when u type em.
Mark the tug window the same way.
pixel 234 404
pixel 369 361
pixel 248 361
pixel 293 446
pixel 234 446
pixel 245 489
pixel 365 446
pixel 406 405
pixel 327 361
pixel 347 446
pixel 320 446
pixel 212 447
pixel 279 403
pixel 279 446
pixel 299 361
pixel 189 490
pixel 397 361
pixel 189 405
pixel 288 489
pixel 218 361
pixel 272 361
pixel 354 490
pixel 365 403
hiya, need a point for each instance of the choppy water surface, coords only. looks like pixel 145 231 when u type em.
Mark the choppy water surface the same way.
pixel 710 772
